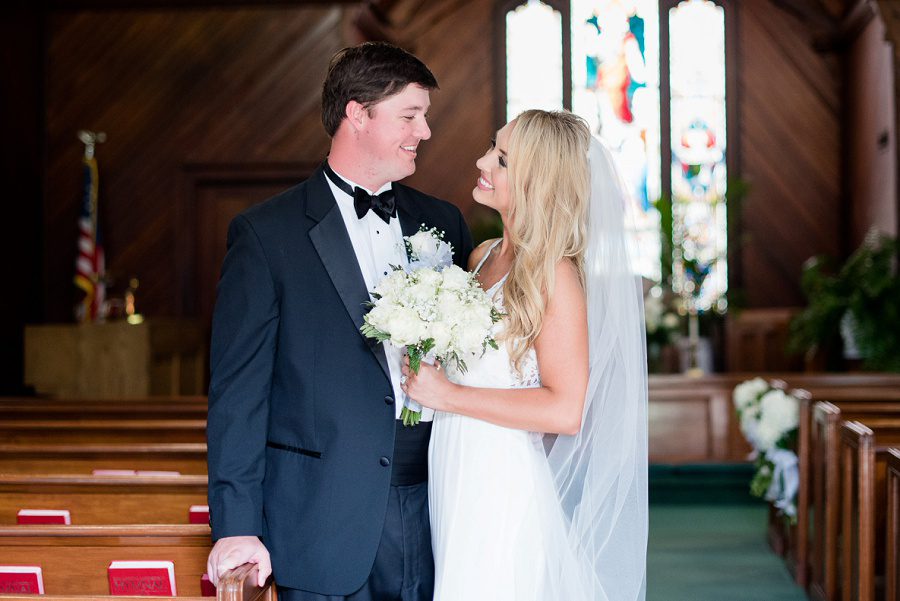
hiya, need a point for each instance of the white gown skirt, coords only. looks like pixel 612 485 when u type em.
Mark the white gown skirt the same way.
pixel 492 501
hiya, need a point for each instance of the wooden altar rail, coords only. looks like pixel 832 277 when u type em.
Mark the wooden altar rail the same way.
pixel 104 499
pixel 864 453
pixel 132 431
pixel 186 458
pixel 74 559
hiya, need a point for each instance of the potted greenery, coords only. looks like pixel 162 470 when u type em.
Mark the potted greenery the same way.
pixel 860 298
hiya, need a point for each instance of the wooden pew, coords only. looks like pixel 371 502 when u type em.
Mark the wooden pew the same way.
pixel 51 431
pixel 186 458
pixel 863 494
pixel 104 499
pixel 866 401
pixel 892 528
pixel 825 487
pixel 74 559
pixel 91 410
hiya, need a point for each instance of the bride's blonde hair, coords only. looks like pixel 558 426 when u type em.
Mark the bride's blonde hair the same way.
pixel 548 192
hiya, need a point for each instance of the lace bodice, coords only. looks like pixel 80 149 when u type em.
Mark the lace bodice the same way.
pixel 493 369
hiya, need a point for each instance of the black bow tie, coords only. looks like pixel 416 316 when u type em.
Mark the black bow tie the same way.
pixel 382 204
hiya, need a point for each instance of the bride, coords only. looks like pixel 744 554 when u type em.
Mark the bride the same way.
pixel 538 455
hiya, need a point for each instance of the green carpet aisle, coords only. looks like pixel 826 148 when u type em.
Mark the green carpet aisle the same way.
pixel 714 552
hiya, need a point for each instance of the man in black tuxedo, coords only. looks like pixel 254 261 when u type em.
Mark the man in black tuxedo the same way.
pixel 305 449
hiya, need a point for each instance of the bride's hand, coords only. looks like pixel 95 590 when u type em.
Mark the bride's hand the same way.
pixel 430 387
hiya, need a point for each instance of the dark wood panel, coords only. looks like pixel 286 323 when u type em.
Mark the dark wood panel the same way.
pixel 791 152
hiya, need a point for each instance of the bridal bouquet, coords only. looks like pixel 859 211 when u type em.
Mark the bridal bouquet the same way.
pixel 431 307
pixel 768 419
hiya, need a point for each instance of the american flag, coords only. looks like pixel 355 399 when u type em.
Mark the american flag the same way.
pixel 90 262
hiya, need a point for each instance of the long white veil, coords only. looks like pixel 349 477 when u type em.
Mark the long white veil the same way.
pixel 601 473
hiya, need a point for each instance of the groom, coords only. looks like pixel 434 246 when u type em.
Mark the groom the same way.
pixel 310 471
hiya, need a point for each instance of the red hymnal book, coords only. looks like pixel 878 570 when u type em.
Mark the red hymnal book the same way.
pixel 142 578
pixel 198 514
pixel 18 580
pixel 43 516
pixel 207 588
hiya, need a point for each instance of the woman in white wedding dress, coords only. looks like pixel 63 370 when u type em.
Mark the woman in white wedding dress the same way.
pixel 517 512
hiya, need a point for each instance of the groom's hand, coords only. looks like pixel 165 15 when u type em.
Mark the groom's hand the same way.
pixel 233 551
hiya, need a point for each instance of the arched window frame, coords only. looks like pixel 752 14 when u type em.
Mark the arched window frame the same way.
pixel 500 11
pixel 732 150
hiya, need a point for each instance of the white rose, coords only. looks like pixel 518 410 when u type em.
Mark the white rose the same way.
pixel 443 337
pixel 470 338
pixel 455 278
pixel 450 307
pixel 378 316
pixel 476 314
pixel 748 393
pixel 423 243
pixel 404 326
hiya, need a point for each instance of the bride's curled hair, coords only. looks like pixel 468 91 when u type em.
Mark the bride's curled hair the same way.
pixel 549 190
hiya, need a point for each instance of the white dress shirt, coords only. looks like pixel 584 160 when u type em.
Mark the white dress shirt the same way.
pixel 377 245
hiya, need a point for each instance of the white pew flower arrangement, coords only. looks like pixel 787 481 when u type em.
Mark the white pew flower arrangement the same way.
pixel 769 418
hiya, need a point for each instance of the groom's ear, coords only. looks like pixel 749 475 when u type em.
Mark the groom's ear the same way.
pixel 356 114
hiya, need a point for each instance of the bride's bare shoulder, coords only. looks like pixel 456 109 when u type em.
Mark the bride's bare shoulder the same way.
pixel 478 253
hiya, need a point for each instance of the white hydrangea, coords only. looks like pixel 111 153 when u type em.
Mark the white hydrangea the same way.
pixel 778 415
pixel 748 393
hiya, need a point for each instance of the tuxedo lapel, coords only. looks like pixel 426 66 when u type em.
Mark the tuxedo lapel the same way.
pixel 408 211
pixel 332 243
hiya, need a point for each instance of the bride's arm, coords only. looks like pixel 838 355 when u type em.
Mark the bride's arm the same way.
pixel 562 354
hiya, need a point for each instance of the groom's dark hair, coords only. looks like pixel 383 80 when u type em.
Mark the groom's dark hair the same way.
pixel 368 74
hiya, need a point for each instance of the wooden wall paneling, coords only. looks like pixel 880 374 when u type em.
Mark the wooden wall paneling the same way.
pixel 871 132
pixel 224 87
pixel 169 88
pixel 790 140
pixel 213 195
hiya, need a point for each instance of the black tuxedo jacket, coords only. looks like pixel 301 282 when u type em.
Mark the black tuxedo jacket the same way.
pixel 301 419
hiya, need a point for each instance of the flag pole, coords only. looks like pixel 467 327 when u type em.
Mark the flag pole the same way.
pixel 90 263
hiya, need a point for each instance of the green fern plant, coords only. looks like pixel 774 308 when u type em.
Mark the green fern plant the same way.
pixel 868 288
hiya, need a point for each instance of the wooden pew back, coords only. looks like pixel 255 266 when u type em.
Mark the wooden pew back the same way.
pixel 892 526
pixel 863 461
pixel 825 485
pixel 131 431
pixel 75 558
pixel 104 499
pixel 186 458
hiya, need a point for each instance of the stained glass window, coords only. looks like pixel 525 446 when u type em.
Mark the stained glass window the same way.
pixel 615 80
pixel 698 140
pixel 616 87
pixel 533 58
